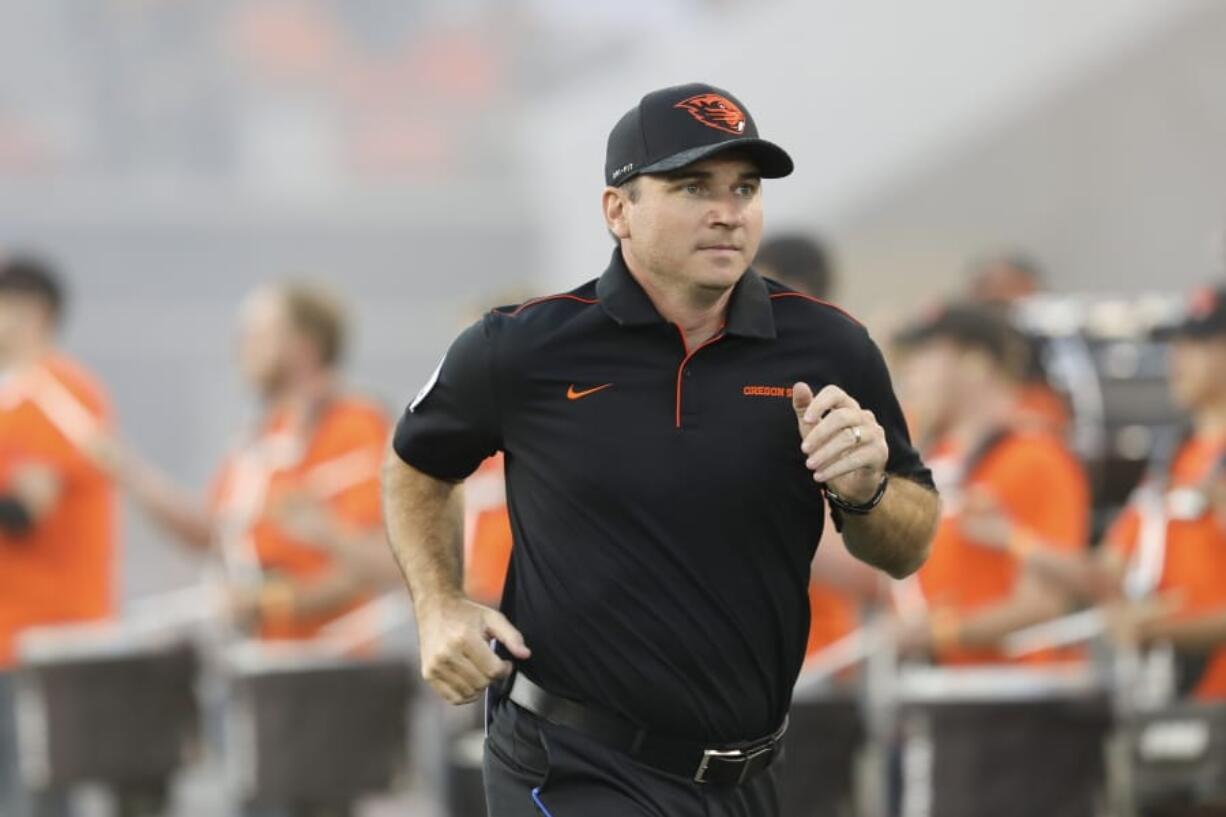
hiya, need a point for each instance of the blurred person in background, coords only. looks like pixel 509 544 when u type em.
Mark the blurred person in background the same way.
pixel 294 511
pixel 798 261
pixel 1162 567
pixel 1008 490
pixel 57 509
pixel 1002 281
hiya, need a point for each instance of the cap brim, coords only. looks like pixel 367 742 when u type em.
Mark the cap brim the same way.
pixel 1190 330
pixel 773 161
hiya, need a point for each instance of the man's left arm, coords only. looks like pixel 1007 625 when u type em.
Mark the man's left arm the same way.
pixel 852 449
pixel 895 536
pixel 1199 633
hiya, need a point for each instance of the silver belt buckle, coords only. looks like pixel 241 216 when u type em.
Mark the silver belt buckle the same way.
pixel 708 755
pixel 745 758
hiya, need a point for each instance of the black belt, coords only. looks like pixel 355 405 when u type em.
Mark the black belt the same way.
pixel 703 764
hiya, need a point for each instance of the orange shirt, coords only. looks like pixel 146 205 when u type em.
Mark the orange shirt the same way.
pixel 487 535
pixel 62 570
pixel 338 466
pixel 832 616
pixel 1195 558
pixel 1042 488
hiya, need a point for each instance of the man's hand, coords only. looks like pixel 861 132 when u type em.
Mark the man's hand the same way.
pixel 37 486
pixel 456 658
pixel 1132 623
pixel 845 445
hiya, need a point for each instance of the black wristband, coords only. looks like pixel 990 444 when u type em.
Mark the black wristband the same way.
pixel 15 517
pixel 858 509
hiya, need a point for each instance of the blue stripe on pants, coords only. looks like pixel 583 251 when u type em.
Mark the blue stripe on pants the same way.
pixel 536 798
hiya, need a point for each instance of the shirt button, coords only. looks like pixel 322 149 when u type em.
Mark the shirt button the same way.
pixel 688 373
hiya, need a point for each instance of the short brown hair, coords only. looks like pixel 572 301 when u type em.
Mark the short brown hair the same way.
pixel 319 314
pixel 32 277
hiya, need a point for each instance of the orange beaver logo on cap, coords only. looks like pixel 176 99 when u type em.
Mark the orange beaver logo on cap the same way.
pixel 715 111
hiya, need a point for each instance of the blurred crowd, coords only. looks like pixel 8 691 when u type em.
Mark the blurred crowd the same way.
pixel 1062 570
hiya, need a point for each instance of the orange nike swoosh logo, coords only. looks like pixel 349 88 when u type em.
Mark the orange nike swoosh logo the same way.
pixel 571 394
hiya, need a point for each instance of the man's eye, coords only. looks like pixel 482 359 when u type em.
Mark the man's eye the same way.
pixel 747 190
pixel 693 189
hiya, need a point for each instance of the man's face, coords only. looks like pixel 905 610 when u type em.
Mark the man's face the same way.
pixel 23 320
pixel 699 226
pixel 1197 371
pixel 265 341
pixel 999 282
pixel 928 382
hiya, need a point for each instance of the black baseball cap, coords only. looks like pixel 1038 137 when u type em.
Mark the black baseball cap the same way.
pixel 1205 316
pixel 968 326
pixel 677 126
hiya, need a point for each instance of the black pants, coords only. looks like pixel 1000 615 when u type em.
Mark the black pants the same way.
pixel 536 769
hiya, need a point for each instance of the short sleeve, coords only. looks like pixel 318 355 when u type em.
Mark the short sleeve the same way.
pixel 454 424
pixel 876 394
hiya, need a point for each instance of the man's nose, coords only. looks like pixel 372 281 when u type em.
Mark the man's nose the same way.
pixel 727 211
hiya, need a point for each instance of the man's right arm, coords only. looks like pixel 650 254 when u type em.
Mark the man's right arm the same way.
pixel 453 424
pixel 169 506
pixel 425 528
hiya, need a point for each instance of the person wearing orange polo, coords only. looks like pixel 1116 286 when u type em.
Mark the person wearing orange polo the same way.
pixel 1162 570
pixel 300 490
pixel 57 510
pixel 1007 490
pixel 1192 571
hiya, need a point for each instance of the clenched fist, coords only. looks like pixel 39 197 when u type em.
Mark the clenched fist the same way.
pixel 844 445
pixel 456 657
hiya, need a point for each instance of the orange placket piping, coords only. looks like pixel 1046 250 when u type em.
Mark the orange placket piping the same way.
pixel 688 355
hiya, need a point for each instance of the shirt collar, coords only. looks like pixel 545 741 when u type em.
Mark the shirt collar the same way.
pixel 749 310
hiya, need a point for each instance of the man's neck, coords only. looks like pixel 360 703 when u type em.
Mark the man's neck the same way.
pixel 300 398
pixel 24 354
pixel 698 312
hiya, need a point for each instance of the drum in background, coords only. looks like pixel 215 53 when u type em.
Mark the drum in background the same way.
pixel 1098 352
pixel 1179 761
pixel 103 705
pixel 817 773
pixel 315 730
pixel 1009 742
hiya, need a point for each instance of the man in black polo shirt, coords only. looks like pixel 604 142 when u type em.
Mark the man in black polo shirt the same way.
pixel 664 506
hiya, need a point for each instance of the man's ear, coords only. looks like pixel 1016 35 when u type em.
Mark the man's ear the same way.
pixel 614 203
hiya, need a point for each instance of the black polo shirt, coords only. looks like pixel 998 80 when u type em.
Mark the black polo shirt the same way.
pixel 663 517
